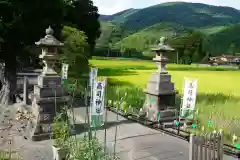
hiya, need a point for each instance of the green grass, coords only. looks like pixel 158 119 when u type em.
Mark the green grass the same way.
pixel 218 92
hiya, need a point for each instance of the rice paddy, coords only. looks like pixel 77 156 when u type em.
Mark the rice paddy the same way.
pixel 218 92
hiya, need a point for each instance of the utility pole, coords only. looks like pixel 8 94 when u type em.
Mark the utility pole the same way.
pixel 177 57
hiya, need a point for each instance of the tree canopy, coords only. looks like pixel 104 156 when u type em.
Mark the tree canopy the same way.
pixel 24 22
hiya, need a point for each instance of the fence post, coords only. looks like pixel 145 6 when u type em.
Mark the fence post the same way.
pixel 25 90
pixel 221 146
pixel 238 155
pixel 191 147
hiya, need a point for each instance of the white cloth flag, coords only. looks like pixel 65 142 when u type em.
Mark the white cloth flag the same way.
pixel 189 94
pixel 64 71
pixel 98 98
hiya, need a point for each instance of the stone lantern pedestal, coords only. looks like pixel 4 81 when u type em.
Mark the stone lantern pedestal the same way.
pixel 49 96
pixel 160 92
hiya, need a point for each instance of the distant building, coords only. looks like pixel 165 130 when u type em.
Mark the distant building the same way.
pixel 225 59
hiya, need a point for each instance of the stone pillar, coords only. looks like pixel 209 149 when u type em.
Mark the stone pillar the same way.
pixel 25 91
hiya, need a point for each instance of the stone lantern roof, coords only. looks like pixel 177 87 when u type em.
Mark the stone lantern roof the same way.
pixel 162 46
pixel 49 40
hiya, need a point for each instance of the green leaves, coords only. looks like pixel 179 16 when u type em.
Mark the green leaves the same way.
pixel 71 86
pixel 177 123
pixel 64 82
pixel 237 146
pixel 67 84
pixel 158 116
pixel 194 126
pixel 209 123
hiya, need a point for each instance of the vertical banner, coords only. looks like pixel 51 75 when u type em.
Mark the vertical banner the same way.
pixel 92 81
pixel 189 98
pixel 97 107
pixel 64 71
pixel 93 76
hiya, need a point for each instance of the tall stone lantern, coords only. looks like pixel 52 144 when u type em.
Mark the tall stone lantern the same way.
pixel 160 91
pixel 48 95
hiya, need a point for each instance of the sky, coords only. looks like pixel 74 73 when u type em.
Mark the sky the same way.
pixel 109 7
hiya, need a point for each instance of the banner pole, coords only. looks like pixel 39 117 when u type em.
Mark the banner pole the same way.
pixel 105 121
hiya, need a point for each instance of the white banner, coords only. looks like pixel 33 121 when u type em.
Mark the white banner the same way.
pixel 93 76
pixel 97 108
pixel 98 98
pixel 64 71
pixel 189 94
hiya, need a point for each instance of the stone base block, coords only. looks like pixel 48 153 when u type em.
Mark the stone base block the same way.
pixel 41 137
pixel 40 127
pixel 168 113
pixel 50 100
pixel 49 81
pixel 165 115
pixel 48 92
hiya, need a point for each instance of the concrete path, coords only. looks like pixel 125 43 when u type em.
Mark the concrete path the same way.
pixel 137 142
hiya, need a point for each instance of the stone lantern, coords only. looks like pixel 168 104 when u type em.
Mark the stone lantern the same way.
pixel 48 96
pixel 160 91
pixel 49 46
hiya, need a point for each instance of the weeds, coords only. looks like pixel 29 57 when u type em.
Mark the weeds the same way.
pixel 83 149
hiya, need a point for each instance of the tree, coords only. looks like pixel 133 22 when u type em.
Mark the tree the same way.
pixel 233 49
pixel 83 15
pixel 21 24
pixel 76 50
pixel 195 57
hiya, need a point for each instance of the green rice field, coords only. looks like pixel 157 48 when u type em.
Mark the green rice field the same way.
pixel 218 92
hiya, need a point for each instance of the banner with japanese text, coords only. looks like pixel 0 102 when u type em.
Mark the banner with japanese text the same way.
pixel 64 71
pixel 93 76
pixel 189 98
pixel 97 109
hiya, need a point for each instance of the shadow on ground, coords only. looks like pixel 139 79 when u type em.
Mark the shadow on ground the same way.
pixel 83 127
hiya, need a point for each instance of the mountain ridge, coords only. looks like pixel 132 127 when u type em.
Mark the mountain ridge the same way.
pixel 183 13
pixel 166 3
pixel 217 23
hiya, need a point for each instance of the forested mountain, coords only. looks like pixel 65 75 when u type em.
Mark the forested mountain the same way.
pixel 143 39
pixel 136 30
pixel 119 17
pixel 187 14
pixel 225 40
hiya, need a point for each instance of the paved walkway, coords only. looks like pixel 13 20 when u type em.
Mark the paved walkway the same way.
pixel 137 142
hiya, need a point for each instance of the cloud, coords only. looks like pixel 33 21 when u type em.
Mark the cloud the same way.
pixel 112 6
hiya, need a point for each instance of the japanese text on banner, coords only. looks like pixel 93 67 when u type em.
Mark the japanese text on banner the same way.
pixel 189 94
pixel 93 76
pixel 98 98
pixel 64 71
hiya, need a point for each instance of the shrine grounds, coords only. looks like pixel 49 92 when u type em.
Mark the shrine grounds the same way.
pixel 218 92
